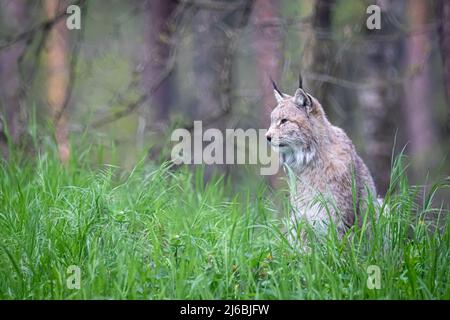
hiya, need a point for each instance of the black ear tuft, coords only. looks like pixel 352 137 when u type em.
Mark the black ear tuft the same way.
pixel 300 81
pixel 275 87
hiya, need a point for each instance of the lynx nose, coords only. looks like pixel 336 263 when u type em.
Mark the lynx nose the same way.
pixel 268 137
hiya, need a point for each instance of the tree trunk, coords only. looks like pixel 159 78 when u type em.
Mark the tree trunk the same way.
pixel 268 48
pixel 158 48
pixel 11 90
pixel 444 41
pixel 417 106
pixel 268 51
pixel 57 63
pixel 209 56
pixel 380 65
pixel 319 50
pixel 215 37
pixel 216 33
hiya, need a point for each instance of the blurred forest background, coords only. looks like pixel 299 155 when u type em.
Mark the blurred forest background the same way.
pixel 138 69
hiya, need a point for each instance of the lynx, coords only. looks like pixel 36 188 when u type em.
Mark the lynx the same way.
pixel 323 161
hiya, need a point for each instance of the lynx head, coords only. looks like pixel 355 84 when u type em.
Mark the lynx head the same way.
pixel 295 127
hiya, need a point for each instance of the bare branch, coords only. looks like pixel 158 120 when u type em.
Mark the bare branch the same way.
pixel 225 76
pixel 357 85
pixel 43 26
pixel 178 16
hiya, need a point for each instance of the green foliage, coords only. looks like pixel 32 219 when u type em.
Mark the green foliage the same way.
pixel 156 233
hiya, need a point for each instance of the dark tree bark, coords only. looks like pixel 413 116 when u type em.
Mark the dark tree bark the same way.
pixel 319 53
pixel 158 46
pixel 209 56
pixel 11 90
pixel 215 37
pixel 443 12
pixel 379 103
pixel 268 48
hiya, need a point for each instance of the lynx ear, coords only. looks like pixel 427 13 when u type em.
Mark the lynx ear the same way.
pixel 301 99
pixel 278 94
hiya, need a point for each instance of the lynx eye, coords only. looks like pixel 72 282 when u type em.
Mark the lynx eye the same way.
pixel 283 121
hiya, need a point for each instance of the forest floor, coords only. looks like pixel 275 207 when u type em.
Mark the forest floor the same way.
pixel 78 232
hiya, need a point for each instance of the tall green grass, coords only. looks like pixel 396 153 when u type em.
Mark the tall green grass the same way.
pixel 159 233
